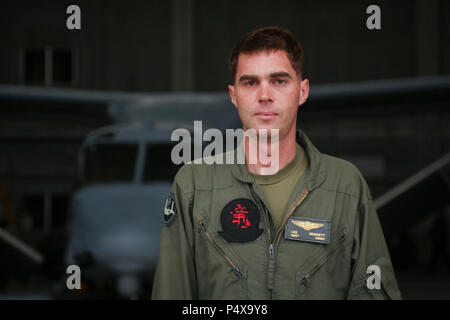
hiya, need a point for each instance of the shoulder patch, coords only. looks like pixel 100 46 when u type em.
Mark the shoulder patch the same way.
pixel 170 209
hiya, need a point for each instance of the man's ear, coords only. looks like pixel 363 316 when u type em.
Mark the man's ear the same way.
pixel 304 91
pixel 231 91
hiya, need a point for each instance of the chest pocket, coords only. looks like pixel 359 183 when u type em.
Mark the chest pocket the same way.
pixel 222 275
pixel 319 279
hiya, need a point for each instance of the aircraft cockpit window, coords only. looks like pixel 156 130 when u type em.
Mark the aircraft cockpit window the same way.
pixel 158 164
pixel 107 163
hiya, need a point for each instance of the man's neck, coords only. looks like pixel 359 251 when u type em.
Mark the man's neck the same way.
pixel 286 153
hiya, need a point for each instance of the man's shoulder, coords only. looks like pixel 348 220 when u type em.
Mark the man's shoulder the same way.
pixel 343 176
pixel 339 165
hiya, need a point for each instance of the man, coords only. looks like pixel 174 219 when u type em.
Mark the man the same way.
pixel 308 231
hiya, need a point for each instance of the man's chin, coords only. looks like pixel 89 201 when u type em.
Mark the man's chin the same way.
pixel 263 131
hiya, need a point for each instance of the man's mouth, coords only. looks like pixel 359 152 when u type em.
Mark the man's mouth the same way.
pixel 266 115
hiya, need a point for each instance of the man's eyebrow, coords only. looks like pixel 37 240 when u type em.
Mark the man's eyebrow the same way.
pixel 280 74
pixel 272 75
pixel 247 77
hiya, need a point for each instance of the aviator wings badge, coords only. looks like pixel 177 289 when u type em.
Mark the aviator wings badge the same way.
pixel 307 225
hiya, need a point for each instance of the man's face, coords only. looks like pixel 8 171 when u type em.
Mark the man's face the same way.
pixel 267 91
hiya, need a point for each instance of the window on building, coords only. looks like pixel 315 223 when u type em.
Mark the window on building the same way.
pixel 48 66
pixel 62 66
pixel 34 62
pixel 46 211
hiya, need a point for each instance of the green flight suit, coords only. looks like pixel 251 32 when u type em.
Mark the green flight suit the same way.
pixel 197 262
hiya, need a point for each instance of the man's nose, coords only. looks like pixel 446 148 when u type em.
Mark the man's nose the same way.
pixel 265 94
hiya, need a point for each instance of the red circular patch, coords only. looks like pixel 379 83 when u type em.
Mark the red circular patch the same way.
pixel 240 221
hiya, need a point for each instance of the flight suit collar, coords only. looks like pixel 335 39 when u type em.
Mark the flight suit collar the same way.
pixel 314 174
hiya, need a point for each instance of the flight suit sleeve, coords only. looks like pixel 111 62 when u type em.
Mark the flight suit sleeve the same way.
pixel 369 253
pixel 175 275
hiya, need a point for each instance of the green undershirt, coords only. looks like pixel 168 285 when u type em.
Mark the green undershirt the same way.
pixel 278 188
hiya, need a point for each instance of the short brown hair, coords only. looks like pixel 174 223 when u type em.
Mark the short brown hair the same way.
pixel 270 39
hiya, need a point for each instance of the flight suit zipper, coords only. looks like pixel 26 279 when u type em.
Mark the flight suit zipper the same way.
pixel 273 244
pixel 235 268
pixel 290 212
pixel 306 278
pixel 325 259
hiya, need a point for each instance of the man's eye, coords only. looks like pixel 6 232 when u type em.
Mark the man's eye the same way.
pixel 280 81
pixel 250 83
